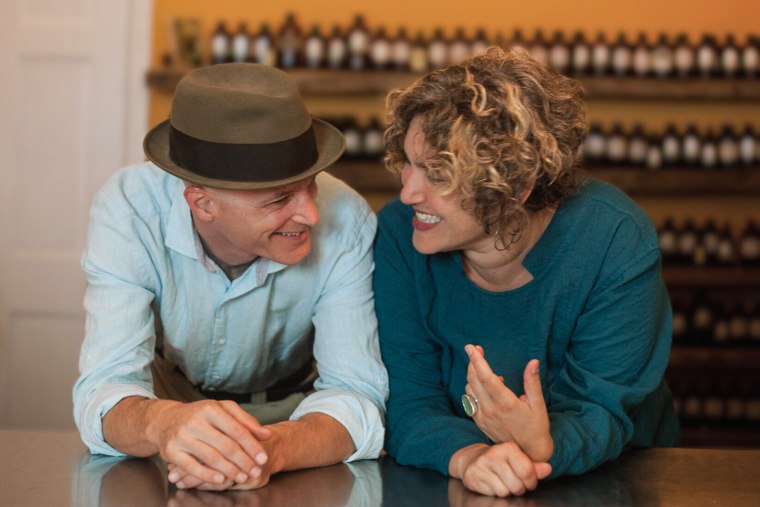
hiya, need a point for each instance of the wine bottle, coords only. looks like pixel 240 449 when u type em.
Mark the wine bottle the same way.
pixel 621 56
pixel 728 148
pixel 750 58
pixel 691 147
pixel 668 238
pixel 726 247
pixel 683 56
pixel 337 49
pixel 220 44
pixel 480 42
pixel 438 50
pixel 380 50
pixel 401 49
pixel 459 50
pixel 748 147
pixel 617 147
pixel 581 55
pixel 708 157
pixel 373 143
pixel 730 58
pixel 638 145
pixel 671 146
pixel 707 57
pixel 559 53
pixel 663 64
pixel 595 146
pixel 239 47
pixel 358 44
pixel 600 56
pixel 418 58
pixel 538 47
pixel 749 245
pixel 642 57
pixel 314 48
pixel 264 47
pixel 687 243
pixel 289 42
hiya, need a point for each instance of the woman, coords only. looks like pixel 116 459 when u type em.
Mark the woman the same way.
pixel 511 288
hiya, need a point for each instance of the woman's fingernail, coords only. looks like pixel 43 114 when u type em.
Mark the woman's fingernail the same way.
pixel 241 477
pixel 180 485
pixel 173 477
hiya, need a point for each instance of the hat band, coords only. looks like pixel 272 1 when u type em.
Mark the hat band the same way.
pixel 244 162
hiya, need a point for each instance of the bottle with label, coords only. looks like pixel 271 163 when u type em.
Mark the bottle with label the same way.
pixel 638 145
pixel 707 57
pixel 728 148
pixel 358 44
pixel 401 50
pixel 671 146
pixel 263 46
pixel 559 53
pixel 517 40
pixel 600 56
pixel 595 146
pixel 438 50
pixel 687 243
pixel 354 138
pixel 738 326
pixel 730 58
pixel 617 146
pixel 314 48
pixel 459 50
pixel 709 241
pixel 418 57
pixel 289 42
pixel 621 56
pixel 681 320
pixel 221 44
pixel 749 245
pixel 654 160
pixel 580 60
pixel 752 310
pixel 721 334
pixel 691 147
pixel 538 47
pixel 702 320
pixel 642 57
pixel 380 50
pixel 726 247
pixel 337 49
pixel 708 157
pixel 668 238
pixel 748 147
pixel 663 64
pixel 750 57
pixel 683 56
pixel 480 42
pixel 373 142
pixel 240 44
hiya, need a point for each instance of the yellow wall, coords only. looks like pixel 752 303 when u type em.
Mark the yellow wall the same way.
pixel 694 17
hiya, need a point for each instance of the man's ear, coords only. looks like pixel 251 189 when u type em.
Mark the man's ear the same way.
pixel 200 202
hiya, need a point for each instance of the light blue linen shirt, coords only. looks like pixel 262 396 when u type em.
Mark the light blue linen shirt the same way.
pixel 143 258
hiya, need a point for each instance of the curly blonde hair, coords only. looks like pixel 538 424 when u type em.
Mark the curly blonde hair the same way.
pixel 498 123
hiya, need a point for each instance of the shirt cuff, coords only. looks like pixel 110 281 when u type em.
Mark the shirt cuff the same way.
pixel 90 422
pixel 361 417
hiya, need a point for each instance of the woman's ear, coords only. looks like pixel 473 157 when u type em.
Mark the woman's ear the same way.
pixel 200 202
pixel 525 193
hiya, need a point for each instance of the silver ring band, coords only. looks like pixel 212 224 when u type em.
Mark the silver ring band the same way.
pixel 470 405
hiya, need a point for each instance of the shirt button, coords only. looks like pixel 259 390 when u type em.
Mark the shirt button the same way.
pixel 221 342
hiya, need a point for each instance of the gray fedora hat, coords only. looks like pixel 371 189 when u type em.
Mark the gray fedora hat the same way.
pixel 241 126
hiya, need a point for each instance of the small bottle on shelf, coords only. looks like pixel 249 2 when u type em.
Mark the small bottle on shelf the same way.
pixel 707 57
pixel 621 56
pixel 538 47
pixel 642 57
pixel 401 49
pixel 671 146
pixel 580 57
pixel 595 146
pixel 730 58
pixel 221 44
pixel 752 307
pixel 600 56
pixel 638 145
pixel 681 314
pixel 374 145
pixel 668 238
pixel 750 57
pixel 687 243
pixel 702 320
pixel 353 136
pixel 239 47
pixel 728 148
pixel 418 58
pixel 663 64
pixel 726 247
pixel 683 56
pixel 459 50
pixel 358 44
pixel 559 53
pixel 709 238
pixel 691 147
pixel 438 50
pixel 480 42
pixel 654 159
pixel 738 326
pixel 337 49
pixel 708 157
pixel 748 147
pixel 380 50
pixel 617 146
pixel 289 42
pixel 264 50
pixel 314 48
pixel 720 334
pixel 749 245
pixel 517 41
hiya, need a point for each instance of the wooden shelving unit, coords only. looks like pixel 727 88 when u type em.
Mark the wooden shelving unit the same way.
pixel 346 82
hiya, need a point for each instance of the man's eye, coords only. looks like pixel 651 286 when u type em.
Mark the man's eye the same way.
pixel 281 201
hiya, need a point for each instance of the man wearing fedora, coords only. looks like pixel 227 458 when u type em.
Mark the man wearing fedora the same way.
pixel 230 316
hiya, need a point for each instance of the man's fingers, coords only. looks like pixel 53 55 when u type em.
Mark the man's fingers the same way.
pixel 247 420
pixel 543 470
pixel 238 445
pixel 192 466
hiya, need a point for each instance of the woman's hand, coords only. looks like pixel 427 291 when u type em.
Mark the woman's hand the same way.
pixel 498 470
pixel 504 417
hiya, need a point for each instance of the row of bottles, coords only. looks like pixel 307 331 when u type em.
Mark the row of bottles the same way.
pixel 689 148
pixel 360 47
pixel 364 140
pixel 717 402
pixel 689 244
pixel 703 319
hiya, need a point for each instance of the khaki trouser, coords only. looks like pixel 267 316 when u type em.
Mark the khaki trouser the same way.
pixel 169 383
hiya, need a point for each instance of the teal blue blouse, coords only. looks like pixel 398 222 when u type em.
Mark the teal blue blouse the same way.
pixel 596 315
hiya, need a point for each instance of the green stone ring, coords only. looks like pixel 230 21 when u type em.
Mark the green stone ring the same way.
pixel 470 404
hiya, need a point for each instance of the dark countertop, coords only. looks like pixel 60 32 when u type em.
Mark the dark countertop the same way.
pixel 41 468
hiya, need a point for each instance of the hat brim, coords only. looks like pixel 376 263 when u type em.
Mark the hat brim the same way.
pixel 330 145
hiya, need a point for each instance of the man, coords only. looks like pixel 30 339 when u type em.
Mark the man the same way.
pixel 218 276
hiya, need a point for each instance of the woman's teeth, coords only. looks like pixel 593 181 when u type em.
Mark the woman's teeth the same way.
pixel 427 219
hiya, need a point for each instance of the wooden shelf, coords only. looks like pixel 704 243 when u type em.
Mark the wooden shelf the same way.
pixel 366 176
pixel 702 359
pixel 713 277
pixel 718 435
pixel 346 82
pixel 678 181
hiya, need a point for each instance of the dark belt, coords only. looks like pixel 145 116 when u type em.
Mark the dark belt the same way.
pixel 301 381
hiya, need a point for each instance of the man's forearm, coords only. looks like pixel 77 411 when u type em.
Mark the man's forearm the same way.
pixel 314 440
pixel 127 426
